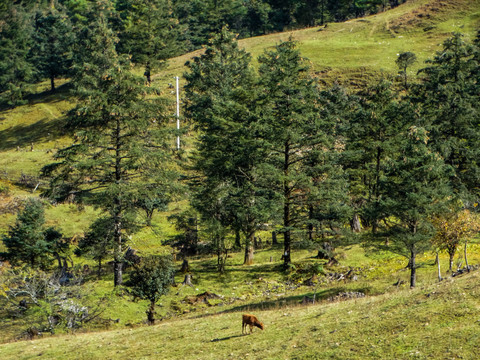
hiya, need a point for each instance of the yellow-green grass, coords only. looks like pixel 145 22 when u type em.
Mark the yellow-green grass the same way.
pixel 367 46
pixel 259 287
pixel 436 321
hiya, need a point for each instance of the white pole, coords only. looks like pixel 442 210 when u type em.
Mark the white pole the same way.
pixel 178 115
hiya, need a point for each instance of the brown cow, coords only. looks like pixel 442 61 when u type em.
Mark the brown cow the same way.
pixel 250 320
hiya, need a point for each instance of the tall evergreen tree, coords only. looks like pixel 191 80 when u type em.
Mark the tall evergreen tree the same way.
pixel 52 44
pixel 290 127
pixel 150 32
pixel 448 99
pixel 371 136
pixel 121 147
pixel 416 189
pixel 219 95
pixel 15 39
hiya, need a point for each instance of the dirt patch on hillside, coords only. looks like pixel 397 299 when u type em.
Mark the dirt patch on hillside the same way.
pixel 425 16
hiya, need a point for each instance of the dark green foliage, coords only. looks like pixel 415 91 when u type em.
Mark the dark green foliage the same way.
pixel 186 224
pixel 416 188
pixel 121 148
pixel 152 280
pixel 15 71
pixel 291 129
pixel 52 45
pixel 29 242
pixel 404 61
pixel 220 93
pixel 327 199
pixel 99 242
pixel 371 134
pixel 149 33
pixel 448 99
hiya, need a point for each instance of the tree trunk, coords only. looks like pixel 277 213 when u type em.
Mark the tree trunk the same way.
pixel 310 225
pixel 118 256
pixel 238 243
pixel 286 209
pixel 188 280
pixel 466 259
pixel 249 249
pixel 451 256
pixel 151 313
pixel 117 235
pixel 438 264
pixel 52 83
pixel 413 269
pixel 99 269
pixel 274 238
pixel 355 223
pixel 185 267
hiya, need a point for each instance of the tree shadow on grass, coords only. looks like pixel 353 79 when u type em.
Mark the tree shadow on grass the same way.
pixel 226 338
pixel 21 136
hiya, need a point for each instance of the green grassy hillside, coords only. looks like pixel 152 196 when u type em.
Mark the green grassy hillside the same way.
pixel 433 322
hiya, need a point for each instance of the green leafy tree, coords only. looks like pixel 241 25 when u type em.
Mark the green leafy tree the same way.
pixel 121 147
pixel 416 190
pixel 327 196
pixel 52 45
pixel 290 128
pixel 220 98
pixel 150 33
pixel 98 243
pixel 16 72
pixel 28 241
pixel 151 280
pixel 404 61
pixel 448 99
pixel 371 136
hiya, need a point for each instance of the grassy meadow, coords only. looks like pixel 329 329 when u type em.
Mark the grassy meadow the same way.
pixel 433 321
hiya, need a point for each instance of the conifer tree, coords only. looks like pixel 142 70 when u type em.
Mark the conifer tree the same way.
pixel 15 70
pixel 149 33
pixel 120 146
pixel 448 99
pixel 291 129
pixel 52 44
pixel 28 241
pixel 371 136
pixel 416 189
pixel 220 96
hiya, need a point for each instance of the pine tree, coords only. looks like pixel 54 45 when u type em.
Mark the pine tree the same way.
pixel 371 136
pixel 15 39
pixel 220 96
pixel 327 196
pixel 416 190
pixel 291 129
pixel 52 45
pixel 448 99
pixel 150 33
pixel 28 241
pixel 121 145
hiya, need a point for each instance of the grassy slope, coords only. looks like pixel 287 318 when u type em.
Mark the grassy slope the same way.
pixel 438 321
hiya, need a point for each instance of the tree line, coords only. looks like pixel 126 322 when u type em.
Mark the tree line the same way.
pixel 39 39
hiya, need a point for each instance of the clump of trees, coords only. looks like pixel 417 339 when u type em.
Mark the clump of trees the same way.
pixel 322 159
pixel 30 242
